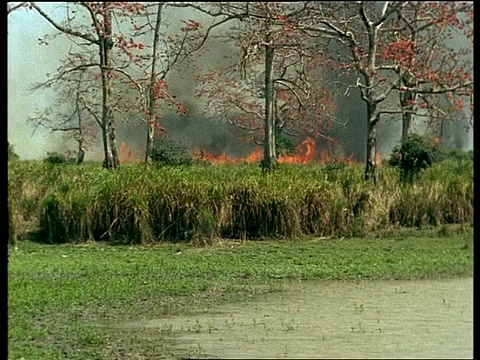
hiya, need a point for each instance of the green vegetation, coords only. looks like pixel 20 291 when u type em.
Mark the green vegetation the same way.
pixel 283 145
pixel 168 152
pixel 58 158
pixel 140 203
pixel 416 153
pixel 143 203
pixel 74 302
pixel 412 155
pixel 12 155
pixel 455 154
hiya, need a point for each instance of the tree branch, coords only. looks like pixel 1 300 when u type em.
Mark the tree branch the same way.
pixel 69 31
pixel 11 8
pixel 386 14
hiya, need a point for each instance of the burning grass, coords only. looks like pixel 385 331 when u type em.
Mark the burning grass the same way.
pixel 306 152
pixel 143 203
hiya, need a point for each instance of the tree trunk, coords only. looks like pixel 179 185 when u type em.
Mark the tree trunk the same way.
pixel 80 137
pixel 406 125
pixel 113 141
pixel 371 155
pixel 150 135
pixel 108 62
pixel 81 152
pixel 108 123
pixel 151 120
pixel 108 160
pixel 407 102
pixel 269 155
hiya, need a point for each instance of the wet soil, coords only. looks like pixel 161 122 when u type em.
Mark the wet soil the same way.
pixel 331 319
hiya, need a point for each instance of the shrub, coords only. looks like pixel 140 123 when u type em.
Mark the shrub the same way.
pixel 12 225
pixel 12 155
pixel 284 145
pixel 413 155
pixel 57 158
pixel 168 152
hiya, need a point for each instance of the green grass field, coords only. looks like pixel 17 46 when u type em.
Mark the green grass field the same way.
pixel 68 301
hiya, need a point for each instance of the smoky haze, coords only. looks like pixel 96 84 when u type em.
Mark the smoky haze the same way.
pixel 29 62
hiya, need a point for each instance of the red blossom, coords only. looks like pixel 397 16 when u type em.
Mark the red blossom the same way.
pixel 192 25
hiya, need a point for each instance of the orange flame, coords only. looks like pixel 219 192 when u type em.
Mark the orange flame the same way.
pixel 125 153
pixel 306 152
pixel 225 159
pixel 378 158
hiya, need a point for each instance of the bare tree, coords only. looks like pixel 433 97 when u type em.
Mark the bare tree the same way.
pixel 67 116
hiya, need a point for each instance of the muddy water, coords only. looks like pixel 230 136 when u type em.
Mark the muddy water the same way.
pixel 380 319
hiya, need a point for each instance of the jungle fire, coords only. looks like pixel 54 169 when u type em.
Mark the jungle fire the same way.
pixel 306 152
pixel 125 154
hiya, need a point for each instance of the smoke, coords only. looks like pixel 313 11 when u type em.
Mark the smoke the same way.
pixel 193 131
pixel 28 62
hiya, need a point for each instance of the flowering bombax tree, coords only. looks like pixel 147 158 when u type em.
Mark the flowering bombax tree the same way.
pixel 99 50
pixel 109 46
pixel 431 47
pixel 126 50
pixel 358 27
pixel 166 45
pixel 394 47
pixel 274 79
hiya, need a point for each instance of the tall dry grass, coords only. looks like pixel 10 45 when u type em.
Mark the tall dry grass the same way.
pixel 142 203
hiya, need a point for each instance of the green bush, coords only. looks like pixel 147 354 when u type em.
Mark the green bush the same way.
pixel 57 158
pixel 413 155
pixel 168 152
pixel 12 226
pixel 283 145
pixel 12 155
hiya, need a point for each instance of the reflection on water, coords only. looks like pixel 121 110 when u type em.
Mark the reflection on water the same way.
pixel 378 319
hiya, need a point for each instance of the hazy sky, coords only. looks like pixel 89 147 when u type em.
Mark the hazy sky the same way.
pixel 28 63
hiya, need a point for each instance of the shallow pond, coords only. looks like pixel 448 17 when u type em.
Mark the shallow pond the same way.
pixel 368 319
